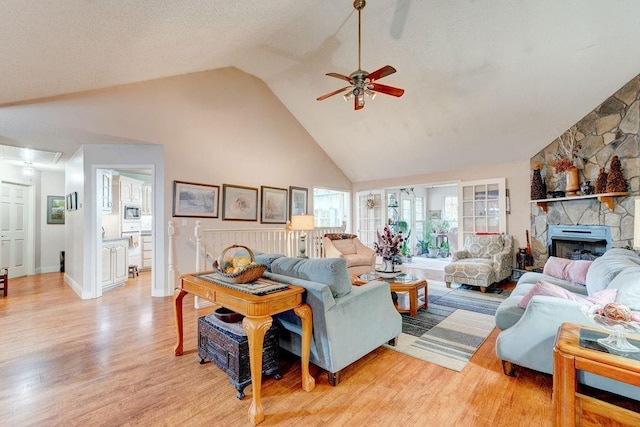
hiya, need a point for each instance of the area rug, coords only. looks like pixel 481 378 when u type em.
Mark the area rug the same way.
pixel 454 326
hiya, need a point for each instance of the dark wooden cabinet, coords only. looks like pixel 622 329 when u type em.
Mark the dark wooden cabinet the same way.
pixel 226 345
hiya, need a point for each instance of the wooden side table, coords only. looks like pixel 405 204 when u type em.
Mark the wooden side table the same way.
pixel 257 311
pixel 569 357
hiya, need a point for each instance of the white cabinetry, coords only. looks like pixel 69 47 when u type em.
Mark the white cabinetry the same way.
pixel 105 178
pixel 147 251
pixel 130 190
pixel 115 268
pixel 147 207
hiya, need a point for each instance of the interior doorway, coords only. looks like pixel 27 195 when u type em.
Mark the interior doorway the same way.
pixel 16 234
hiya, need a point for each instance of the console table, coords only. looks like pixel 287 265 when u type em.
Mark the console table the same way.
pixel 257 311
pixel 569 356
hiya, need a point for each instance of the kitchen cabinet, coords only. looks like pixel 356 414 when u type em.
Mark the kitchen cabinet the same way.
pixel 105 182
pixel 147 207
pixel 147 251
pixel 115 263
pixel 130 190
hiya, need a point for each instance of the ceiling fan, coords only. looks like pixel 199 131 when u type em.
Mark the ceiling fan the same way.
pixel 361 82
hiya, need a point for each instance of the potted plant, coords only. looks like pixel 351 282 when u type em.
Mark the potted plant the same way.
pixel 433 248
pixel 406 249
pixel 444 248
pixel 442 227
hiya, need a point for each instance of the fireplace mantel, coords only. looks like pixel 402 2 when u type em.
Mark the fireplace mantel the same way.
pixel 606 198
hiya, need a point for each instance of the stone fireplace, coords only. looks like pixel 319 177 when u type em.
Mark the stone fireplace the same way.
pixel 611 129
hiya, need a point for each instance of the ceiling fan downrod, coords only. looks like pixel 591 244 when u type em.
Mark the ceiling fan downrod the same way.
pixel 359 5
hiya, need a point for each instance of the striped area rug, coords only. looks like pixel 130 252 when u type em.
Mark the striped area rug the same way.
pixel 455 325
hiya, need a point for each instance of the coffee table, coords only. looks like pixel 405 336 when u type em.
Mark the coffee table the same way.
pixel 400 283
pixel 576 349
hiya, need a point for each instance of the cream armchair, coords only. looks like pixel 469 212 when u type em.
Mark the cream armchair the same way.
pixel 485 260
pixel 360 258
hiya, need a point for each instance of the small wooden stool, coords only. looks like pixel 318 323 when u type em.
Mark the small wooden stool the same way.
pixel 133 271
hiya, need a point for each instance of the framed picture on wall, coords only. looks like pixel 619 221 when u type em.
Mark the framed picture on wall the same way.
pixel 239 203
pixel 298 201
pixel 273 205
pixel 195 200
pixel 55 209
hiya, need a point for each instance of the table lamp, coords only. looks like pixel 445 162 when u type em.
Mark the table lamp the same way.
pixel 302 223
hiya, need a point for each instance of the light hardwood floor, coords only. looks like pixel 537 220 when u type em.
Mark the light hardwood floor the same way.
pixel 109 361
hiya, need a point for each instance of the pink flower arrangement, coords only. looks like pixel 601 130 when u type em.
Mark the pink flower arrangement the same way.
pixel 388 244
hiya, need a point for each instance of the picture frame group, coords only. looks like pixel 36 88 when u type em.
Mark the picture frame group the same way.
pixel 273 205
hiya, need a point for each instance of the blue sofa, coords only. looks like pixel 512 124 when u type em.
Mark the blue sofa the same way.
pixel 348 321
pixel 528 335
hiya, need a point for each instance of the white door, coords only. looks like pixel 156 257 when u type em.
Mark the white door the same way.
pixel 370 211
pixel 481 208
pixel 13 228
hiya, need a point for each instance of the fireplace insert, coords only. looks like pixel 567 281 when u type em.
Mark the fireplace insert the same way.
pixel 578 242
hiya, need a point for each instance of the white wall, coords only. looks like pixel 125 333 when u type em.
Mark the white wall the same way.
pixel 50 238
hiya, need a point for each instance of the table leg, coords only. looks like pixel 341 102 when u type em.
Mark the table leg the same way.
pixel 413 302
pixel 426 296
pixel 306 316
pixel 256 328
pixel 564 389
pixel 178 295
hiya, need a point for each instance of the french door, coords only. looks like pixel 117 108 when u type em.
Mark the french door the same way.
pixel 481 208
pixel 370 211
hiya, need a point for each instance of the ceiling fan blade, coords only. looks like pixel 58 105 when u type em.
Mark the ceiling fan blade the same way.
pixel 382 72
pixel 335 92
pixel 394 91
pixel 340 76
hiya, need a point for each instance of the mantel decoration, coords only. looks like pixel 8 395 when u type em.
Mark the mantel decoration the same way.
pixel 538 189
pixel 388 247
pixel 568 160
pixel 615 178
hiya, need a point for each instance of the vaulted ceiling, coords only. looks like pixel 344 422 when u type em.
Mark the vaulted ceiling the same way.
pixel 486 81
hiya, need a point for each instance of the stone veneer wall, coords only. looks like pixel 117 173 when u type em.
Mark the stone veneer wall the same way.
pixel 611 129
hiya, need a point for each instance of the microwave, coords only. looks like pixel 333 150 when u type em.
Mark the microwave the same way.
pixel 130 212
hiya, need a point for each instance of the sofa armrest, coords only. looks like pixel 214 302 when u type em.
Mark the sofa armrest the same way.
pixel 330 251
pixel 460 255
pixel 530 341
pixel 363 249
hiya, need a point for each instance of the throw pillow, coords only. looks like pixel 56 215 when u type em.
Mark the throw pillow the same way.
pixel 605 268
pixel 330 271
pixel 628 285
pixel 566 269
pixel 549 289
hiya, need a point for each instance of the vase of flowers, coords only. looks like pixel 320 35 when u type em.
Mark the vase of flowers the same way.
pixel 388 247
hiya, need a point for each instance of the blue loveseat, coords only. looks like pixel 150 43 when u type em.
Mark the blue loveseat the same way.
pixel 348 321
pixel 528 335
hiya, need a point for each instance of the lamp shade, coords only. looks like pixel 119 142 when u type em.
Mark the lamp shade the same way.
pixel 636 225
pixel 302 222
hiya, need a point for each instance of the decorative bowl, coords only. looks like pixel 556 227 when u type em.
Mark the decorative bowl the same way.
pixel 227 315
pixel 616 340
pixel 388 274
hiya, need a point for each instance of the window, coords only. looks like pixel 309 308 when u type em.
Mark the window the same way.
pixel 331 207
pixel 450 210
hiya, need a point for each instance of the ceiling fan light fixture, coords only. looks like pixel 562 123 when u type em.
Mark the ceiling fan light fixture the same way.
pixel 362 82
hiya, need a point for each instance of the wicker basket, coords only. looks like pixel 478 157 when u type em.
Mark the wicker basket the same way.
pixel 250 274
